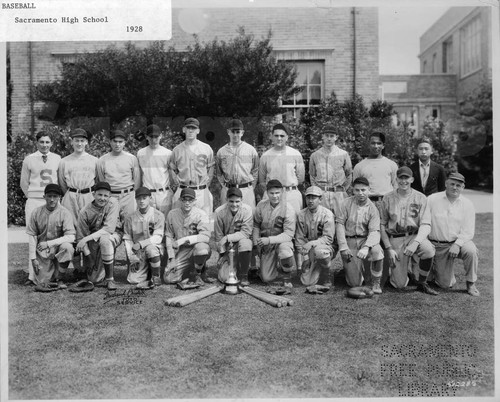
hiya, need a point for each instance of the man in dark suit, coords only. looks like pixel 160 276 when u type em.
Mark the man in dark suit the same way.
pixel 429 176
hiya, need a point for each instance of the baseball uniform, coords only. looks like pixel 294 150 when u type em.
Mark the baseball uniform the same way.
pixel 104 227
pixel 238 229
pixel 332 172
pixel 287 166
pixel 147 230
pixel 404 218
pixel 57 229
pixel 278 224
pixel 314 238
pixel 360 227
pixel 193 168
pixel 380 172
pixel 154 164
pixel 123 174
pixel 238 167
pixel 195 225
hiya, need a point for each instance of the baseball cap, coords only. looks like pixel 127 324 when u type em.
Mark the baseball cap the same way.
pixel 273 184
pixel 329 129
pixel 457 176
pixel 191 121
pixel 79 132
pixel 188 192
pixel 404 171
pixel 282 126
pixel 361 180
pixel 102 185
pixel 153 131
pixel 117 133
pixel 233 191
pixel 142 191
pixel 314 190
pixel 53 188
pixel 236 125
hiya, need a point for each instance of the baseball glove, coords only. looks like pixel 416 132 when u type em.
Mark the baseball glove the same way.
pixel 145 285
pixel 185 285
pixel 81 286
pixel 46 287
pixel 359 292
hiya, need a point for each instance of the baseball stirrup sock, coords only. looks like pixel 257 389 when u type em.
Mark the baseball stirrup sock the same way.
pixel 108 269
pixel 244 258
pixel 424 268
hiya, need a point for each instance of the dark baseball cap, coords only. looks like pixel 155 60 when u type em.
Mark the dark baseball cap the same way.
pixel 314 190
pixel 273 184
pixel 79 132
pixel 191 121
pixel 404 171
pixel 102 185
pixel 53 188
pixel 361 180
pixel 118 133
pixel 188 192
pixel 329 129
pixel 236 125
pixel 233 191
pixel 457 176
pixel 153 131
pixel 282 126
pixel 142 191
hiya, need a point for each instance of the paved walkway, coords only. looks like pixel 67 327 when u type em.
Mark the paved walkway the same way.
pixel 482 201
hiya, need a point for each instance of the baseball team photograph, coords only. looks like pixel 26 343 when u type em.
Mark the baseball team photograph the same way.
pixel 247 211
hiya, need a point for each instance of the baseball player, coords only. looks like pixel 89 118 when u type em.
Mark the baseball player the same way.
pixel 143 235
pixel 379 170
pixel 192 165
pixel 453 220
pixel 405 225
pixel 314 235
pixel 38 170
pixel 233 226
pixel 284 164
pixel 330 169
pixel 187 234
pixel 121 170
pixel 50 232
pixel 154 161
pixel 358 235
pixel 98 234
pixel 273 231
pixel 237 165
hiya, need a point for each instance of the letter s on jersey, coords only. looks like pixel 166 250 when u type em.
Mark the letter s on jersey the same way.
pixel 46 176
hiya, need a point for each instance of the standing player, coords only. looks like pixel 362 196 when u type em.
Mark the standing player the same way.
pixel 314 240
pixel 121 170
pixel 187 234
pixel 237 165
pixel 405 225
pixel 39 169
pixel 233 226
pixel 50 231
pixel 154 161
pixel 358 235
pixel 430 176
pixel 453 220
pixel 273 231
pixel 192 166
pixel 379 170
pixel 98 234
pixel 284 164
pixel 143 235
pixel 330 169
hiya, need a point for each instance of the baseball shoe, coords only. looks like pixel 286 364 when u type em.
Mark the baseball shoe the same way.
pixel 472 290
pixel 110 284
pixel 244 281
pixel 377 289
pixel 253 274
pixel 425 288
pixel 205 278
pixel 29 282
pixel 157 280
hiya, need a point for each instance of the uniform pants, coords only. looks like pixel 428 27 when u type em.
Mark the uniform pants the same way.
pixel 356 269
pixel 204 200
pixel 162 201
pixel 270 260
pixel 319 262
pixel 75 202
pixel 31 205
pixel 247 192
pixel 332 200
pixel 104 248
pixel 184 262
pixel 48 262
pixel 141 271
pixel 127 204
pixel 224 267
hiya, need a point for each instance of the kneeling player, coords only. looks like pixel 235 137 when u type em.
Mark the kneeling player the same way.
pixel 51 232
pixel 143 235
pixel 187 235
pixel 233 225
pixel 405 224
pixel 274 228
pixel 358 235
pixel 98 236
pixel 314 235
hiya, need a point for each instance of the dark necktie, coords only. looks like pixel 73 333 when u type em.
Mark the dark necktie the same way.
pixel 44 158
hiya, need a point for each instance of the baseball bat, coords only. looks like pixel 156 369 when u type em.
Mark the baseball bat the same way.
pixel 265 297
pixel 184 300
pixel 283 300
pixel 173 301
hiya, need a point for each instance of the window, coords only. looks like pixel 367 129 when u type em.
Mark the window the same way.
pixel 424 68
pixel 434 63
pixel 448 56
pixel 470 47
pixel 311 78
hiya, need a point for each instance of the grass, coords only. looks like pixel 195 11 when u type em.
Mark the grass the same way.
pixel 78 346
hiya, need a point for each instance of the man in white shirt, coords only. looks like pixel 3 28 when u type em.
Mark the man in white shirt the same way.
pixel 452 230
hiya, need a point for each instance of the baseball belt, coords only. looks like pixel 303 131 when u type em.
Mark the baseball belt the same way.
pixel 375 197
pixel 238 185
pixel 402 234
pixel 441 242
pixel 128 190
pixel 290 188
pixel 194 187
pixel 84 191
pixel 154 190
pixel 356 237
pixel 333 189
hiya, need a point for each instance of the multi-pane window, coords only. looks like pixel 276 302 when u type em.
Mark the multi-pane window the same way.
pixel 448 56
pixel 470 47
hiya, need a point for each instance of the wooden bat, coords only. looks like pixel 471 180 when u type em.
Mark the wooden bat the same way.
pixel 283 300
pixel 262 296
pixel 184 300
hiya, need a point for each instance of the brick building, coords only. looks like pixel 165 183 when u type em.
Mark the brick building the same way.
pixel 455 57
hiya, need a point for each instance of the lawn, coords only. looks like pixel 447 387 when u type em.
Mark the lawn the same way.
pixel 400 343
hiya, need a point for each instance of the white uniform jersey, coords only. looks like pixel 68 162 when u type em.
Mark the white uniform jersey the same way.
pixel 404 214
pixel 77 171
pixel 120 171
pixel 191 163
pixel 154 164
pixel 287 166
pixel 237 165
